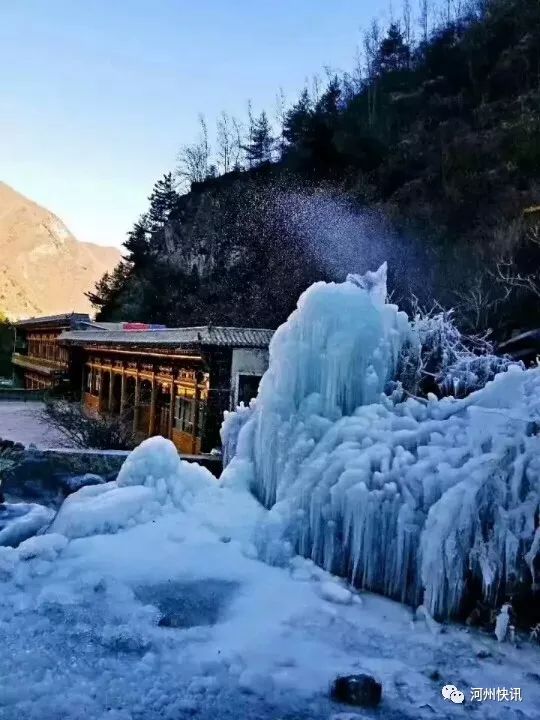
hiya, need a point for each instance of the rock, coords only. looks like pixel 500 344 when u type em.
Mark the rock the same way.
pixel 362 690
pixel 483 654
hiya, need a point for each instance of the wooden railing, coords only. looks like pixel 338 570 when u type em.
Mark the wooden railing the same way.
pixel 29 361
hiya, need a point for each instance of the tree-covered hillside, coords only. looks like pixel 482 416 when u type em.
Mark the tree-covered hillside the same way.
pixel 427 154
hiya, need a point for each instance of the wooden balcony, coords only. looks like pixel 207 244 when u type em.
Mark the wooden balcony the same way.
pixel 40 365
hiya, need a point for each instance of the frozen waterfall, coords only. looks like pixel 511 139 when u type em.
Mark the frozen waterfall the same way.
pixel 418 500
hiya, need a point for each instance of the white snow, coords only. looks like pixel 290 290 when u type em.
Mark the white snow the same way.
pixel 335 593
pixel 23 422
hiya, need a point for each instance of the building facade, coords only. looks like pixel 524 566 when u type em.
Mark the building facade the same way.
pixel 39 359
pixel 170 382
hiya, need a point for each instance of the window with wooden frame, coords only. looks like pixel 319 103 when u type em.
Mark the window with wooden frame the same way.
pixel 184 414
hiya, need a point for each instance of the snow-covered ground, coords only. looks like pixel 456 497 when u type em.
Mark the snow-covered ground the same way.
pixel 23 422
pixel 146 601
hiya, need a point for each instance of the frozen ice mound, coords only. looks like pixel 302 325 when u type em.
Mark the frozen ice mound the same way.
pixel 151 477
pixel 155 464
pixel 417 500
pixel 106 510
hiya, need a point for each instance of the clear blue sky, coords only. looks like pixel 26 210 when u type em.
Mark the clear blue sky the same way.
pixel 97 96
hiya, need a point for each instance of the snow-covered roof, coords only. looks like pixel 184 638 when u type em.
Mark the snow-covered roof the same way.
pixel 172 337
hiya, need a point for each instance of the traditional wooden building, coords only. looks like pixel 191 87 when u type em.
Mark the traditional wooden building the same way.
pixel 170 382
pixel 41 361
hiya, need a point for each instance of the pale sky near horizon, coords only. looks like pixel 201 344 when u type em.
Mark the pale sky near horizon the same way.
pixel 97 97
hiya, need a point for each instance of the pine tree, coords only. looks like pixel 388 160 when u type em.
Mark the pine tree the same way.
pixel 328 105
pixel 162 202
pixel 259 149
pixel 296 121
pixel 318 143
pixel 138 241
pixel 109 289
pixel 394 53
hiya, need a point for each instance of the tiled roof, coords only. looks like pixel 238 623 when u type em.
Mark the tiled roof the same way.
pixel 173 337
pixel 69 318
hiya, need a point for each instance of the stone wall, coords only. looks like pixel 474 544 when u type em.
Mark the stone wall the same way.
pixel 45 476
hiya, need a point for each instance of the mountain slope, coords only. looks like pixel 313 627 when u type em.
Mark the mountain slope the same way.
pixel 44 270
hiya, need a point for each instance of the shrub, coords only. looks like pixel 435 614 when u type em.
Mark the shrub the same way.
pixel 96 432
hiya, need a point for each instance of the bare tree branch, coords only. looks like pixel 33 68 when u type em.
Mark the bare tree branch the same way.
pixel 225 142
pixel 194 160
pixel 102 433
pixel 507 274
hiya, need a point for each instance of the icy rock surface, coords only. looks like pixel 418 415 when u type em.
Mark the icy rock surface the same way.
pixel 412 499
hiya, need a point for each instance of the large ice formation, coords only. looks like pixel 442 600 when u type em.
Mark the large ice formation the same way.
pixel 417 499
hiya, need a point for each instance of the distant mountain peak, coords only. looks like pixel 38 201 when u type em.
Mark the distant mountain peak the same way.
pixel 44 269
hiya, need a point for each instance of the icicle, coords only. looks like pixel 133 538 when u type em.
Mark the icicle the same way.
pixel 502 623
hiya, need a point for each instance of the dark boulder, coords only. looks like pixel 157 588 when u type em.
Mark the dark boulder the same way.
pixel 361 690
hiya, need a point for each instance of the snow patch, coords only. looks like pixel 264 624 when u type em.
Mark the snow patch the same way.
pixel 335 593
